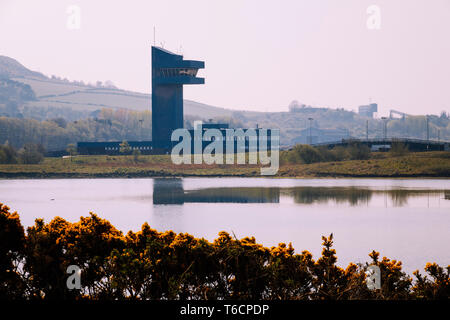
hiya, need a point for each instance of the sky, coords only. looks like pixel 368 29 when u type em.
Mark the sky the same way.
pixel 259 55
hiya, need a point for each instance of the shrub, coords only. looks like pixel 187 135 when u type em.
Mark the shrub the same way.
pixel 124 147
pixel 398 148
pixel 306 153
pixel 164 265
pixel 437 288
pixel 340 153
pixel 31 154
pixel 12 242
pixel 136 153
pixel 72 150
pixel 326 154
pixel 359 151
pixel 8 154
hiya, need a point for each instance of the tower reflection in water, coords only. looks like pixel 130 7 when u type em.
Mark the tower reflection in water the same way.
pixel 171 191
pixel 168 191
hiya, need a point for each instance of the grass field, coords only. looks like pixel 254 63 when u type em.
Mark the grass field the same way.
pixel 429 164
pixel 423 164
pixel 59 94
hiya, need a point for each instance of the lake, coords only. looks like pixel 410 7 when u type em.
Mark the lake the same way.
pixel 404 219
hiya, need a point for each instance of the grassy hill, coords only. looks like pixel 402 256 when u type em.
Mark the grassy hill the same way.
pixel 62 94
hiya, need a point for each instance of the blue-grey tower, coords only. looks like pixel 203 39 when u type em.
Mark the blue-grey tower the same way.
pixel 169 73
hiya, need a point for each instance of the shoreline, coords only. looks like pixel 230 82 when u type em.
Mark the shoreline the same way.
pixel 413 165
pixel 67 175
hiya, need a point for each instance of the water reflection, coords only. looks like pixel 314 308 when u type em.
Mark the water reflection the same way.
pixel 400 197
pixel 168 191
pixel 171 191
pixel 447 195
pixel 307 195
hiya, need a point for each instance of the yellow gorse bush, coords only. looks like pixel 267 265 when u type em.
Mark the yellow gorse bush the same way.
pixel 164 265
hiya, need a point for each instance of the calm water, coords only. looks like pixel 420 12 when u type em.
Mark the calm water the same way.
pixel 408 220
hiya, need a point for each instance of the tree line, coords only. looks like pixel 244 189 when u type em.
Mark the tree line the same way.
pixel 57 133
pixel 306 154
pixel 30 153
pixel 165 265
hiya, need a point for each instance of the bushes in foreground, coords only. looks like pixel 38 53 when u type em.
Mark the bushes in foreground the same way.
pixel 164 265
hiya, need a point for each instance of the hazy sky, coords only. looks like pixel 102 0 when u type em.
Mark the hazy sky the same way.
pixel 259 55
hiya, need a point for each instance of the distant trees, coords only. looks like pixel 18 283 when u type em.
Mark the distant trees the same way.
pixel 61 122
pixel 303 153
pixel 46 113
pixel 136 153
pixel 398 148
pixel 110 85
pixel 358 151
pixel 12 108
pixel 30 154
pixel 56 134
pixel 124 147
pixel 13 95
pixel 11 90
pixel 107 84
pixel 307 154
pixel 72 150
pixel 8 154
